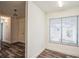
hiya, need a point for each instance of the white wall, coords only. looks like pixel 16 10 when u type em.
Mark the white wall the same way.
pixel 71 50
pixel 36 30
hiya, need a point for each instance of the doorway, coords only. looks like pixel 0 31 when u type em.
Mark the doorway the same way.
pixel 1 35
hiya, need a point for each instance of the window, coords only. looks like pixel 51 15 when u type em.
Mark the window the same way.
pixel 69 30
pixel 64 30
pixel 55 30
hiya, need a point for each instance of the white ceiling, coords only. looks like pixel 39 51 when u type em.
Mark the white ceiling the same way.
pixel 7 8
pixel 52 6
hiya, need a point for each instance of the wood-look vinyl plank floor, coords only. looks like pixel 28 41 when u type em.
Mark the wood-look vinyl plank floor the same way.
pixel 53 54
pixel 16 50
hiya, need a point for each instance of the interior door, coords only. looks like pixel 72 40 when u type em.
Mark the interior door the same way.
pixel 55 30
pixel 69 30
pixel 22 30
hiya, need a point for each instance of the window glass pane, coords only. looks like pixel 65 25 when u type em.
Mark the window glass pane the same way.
pixel 69 30
pixel 55 30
